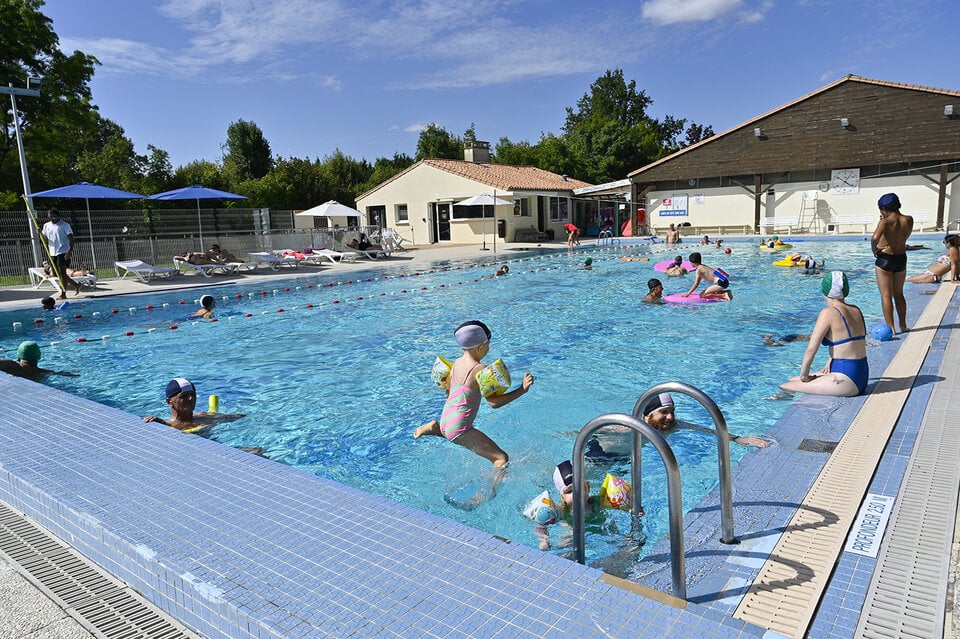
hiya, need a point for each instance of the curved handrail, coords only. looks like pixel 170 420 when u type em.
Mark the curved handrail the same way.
pixel 674 491
pixel 608 236
pixel 723 447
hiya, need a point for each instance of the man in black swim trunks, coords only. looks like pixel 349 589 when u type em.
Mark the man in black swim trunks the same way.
pixel 889 245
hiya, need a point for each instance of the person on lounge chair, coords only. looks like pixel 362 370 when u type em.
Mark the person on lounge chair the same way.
pixel 363 245
pixel 192 257
pixel 220 256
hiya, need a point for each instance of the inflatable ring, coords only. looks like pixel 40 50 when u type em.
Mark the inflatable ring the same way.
pixel 661 267
pixel 693 298
pixel 787 261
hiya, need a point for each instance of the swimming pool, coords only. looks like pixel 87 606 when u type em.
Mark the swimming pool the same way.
pixel 337 388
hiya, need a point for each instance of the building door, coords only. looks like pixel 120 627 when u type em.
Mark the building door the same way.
pixel 443 222
pixel 439 222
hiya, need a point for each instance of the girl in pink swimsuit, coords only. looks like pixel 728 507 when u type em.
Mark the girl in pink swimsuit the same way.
pixel 463 397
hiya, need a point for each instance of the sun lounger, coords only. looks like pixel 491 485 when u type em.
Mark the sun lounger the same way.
pixel 38 278
pixel 331 256
pixel 273 261
pixel 207 270
pixel 374 254
pixel 141 270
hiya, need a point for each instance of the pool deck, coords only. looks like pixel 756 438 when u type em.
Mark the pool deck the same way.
pixel 258 549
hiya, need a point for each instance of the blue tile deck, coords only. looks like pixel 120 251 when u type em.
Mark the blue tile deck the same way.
pixel 234 545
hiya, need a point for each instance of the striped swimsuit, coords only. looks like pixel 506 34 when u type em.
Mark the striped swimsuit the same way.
pixel 460 409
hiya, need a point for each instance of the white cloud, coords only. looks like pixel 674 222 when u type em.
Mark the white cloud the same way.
pixel 428 43
pixel 414 128
pixel 674 11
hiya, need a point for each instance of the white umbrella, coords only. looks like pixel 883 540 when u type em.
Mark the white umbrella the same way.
pixel 331 209
pixel 485 199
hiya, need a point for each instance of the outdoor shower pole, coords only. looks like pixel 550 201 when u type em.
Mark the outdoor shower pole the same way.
pixel 27 191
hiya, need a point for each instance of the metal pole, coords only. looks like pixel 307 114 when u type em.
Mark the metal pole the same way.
pixel 93 251
pixel 494 220
pixel 27 191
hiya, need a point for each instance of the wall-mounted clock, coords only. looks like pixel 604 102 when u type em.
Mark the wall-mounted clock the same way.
pixel 824 186
pixel 845 181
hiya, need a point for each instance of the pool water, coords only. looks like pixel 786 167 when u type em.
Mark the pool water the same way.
pixel 336 383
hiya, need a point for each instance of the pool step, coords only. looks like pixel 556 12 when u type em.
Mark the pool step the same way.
pixel 785 594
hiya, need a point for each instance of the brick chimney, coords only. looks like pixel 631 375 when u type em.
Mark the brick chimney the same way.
pixel 477 152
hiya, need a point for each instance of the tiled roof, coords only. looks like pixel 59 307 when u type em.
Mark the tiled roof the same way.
pixel 499 176
pixel 750 122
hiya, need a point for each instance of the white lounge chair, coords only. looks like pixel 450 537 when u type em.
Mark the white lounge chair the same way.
pixel 331 256
pixel 391 240
pixel 273 261
pixel 206 270
pixel 38 278
pixel 374 254
pixel 141 270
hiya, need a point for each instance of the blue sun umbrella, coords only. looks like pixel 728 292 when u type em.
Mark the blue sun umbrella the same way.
pixel 89 191
pixel 197 193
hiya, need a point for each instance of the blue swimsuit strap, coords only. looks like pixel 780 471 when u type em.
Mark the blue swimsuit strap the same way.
pixel 849 338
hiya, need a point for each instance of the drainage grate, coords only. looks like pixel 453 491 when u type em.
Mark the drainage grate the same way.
pixel 906 595
pixel 103 605
pixel 817 446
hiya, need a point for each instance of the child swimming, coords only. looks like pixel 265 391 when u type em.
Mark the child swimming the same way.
pixel 463 397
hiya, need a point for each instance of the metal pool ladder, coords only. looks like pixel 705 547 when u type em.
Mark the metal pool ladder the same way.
pixel 640 430
pixel 606 237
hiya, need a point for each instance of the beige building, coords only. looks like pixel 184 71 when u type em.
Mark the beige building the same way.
pixel 817 164
pixel 421 202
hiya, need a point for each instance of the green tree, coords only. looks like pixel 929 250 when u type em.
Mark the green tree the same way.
pixel 158 176
pixel 696 133
pixel 515 154
pixel 111 160
pixel 384 169
pixel 437 143
pixel 343 176
pixel 247 152
pixel 611 132
pixel 29 46
pixel 202 172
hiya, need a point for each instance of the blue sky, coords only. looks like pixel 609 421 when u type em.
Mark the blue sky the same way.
pixel 365 76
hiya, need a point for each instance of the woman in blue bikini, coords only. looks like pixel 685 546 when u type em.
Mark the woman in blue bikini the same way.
pixel 841 327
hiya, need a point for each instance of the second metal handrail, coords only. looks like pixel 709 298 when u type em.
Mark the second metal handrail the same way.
pixel 640 429
pixel 674 492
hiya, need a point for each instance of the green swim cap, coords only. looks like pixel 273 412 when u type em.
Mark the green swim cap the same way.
pixel 835 285
pixel 29 351
pixel 588 261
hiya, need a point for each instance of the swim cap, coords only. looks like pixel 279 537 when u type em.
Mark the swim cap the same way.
pixel 563 475
pixel 661 400
pixel 180 385
pixel 588 261
pixel 678 259
pixel 695 258
pixel 654 283
pixel 835 285
pixel 889 202
pixel 29 351
pixel 472 334
pixel 207 301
